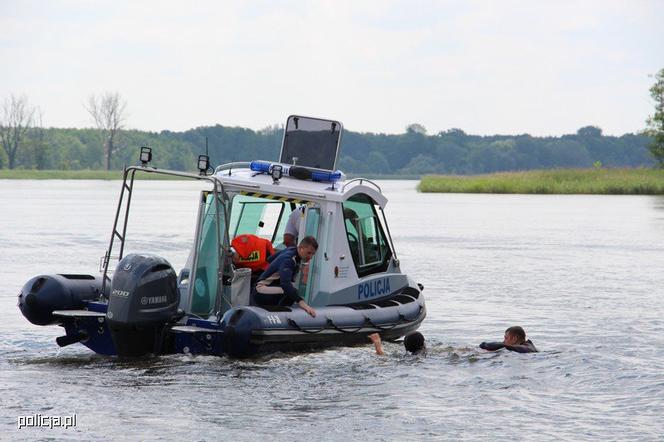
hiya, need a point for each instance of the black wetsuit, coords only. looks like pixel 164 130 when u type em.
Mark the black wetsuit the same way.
pixel 526 347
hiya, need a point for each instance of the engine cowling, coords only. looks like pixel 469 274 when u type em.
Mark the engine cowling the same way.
pixel 144 297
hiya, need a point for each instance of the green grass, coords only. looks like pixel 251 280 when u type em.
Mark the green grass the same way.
pixel 556 181
pixel 28 174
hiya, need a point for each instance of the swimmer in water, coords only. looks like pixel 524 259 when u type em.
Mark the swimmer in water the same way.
pixel 515 340
pixel 413 342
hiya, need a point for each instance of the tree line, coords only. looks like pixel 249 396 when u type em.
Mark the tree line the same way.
pixel 410 153
pixel 26 144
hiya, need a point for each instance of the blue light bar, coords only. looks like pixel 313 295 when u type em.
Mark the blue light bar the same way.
pixel 260 166
pixel 331 177
pixel 299 172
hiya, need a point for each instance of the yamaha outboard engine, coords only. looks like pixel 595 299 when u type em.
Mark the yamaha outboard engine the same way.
pixel 144 298
pixel 43 294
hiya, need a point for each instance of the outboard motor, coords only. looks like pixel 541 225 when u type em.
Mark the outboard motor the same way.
pixel 43 294
pixel 144 298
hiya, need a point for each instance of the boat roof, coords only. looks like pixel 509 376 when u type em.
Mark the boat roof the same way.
pixel 243 179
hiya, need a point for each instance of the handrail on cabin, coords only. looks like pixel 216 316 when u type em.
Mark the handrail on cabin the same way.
pixel 361 180
pixel 230 166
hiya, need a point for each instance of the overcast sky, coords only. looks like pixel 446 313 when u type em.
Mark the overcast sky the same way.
pixel 487 67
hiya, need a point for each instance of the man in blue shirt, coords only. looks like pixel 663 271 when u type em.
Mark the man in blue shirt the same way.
pixel 275 284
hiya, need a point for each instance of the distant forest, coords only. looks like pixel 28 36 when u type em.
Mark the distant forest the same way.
pixel 411 153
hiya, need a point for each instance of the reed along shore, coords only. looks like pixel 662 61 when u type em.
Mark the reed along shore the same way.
pixel 556 181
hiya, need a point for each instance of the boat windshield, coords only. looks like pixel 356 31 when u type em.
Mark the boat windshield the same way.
pixel 262 217
pixel 311 142
pixel 207 291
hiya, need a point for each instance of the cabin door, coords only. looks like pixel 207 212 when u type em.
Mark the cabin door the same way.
pixel 309 272
pixel 207 292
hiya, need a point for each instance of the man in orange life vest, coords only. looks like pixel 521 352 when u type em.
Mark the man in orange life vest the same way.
pixel 251 252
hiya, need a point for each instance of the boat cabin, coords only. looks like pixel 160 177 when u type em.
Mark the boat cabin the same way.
pixel 355 261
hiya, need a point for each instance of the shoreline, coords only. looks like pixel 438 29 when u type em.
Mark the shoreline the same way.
pixel 551 182
pixel 33 174
pixel 622 181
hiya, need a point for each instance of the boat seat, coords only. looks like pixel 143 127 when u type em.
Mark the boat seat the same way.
pixel 241 287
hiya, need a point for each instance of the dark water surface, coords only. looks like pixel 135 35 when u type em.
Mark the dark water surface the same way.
pixel 584 275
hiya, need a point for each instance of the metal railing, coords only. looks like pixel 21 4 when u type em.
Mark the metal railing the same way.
pixel 361 180
pixel 230 166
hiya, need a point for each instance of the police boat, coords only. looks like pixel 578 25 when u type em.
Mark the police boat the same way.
pixel 139 305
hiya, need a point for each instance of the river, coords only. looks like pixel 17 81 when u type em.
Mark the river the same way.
pixel 584 275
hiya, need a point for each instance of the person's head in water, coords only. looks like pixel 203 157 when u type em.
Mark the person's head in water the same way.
pixel 307 248
pixel 414 342
pixel 515 336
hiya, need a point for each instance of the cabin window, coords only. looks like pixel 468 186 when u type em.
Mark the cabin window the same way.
pixel 259 216
pixel 366 238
